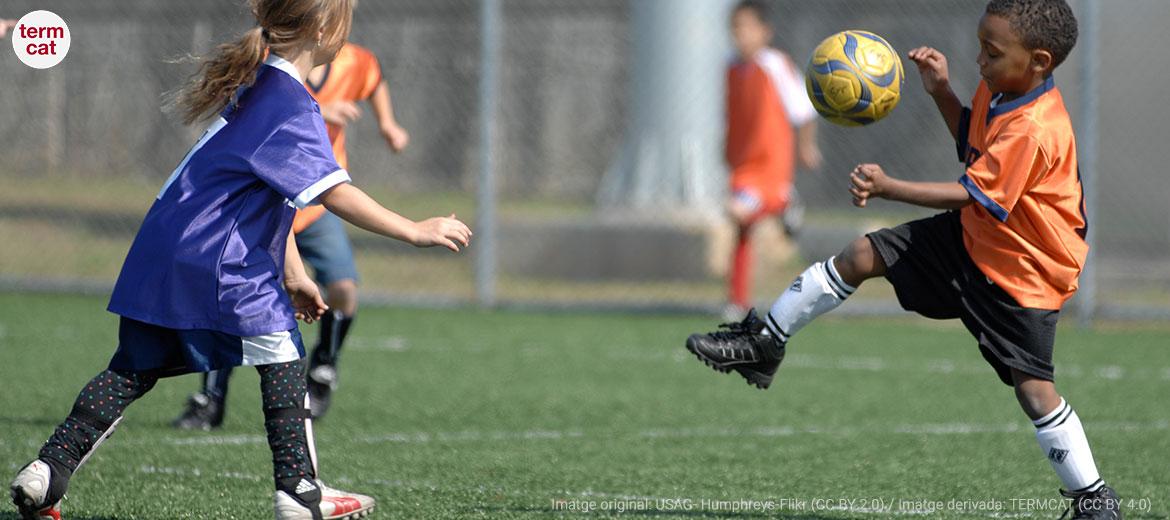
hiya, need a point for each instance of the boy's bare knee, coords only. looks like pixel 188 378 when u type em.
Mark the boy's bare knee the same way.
pixel 859 262
pixel 1038 397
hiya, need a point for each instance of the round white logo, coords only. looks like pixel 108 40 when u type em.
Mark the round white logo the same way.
pixel 41 39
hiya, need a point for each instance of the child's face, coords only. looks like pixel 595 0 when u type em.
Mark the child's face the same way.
pixel 749 32
pixel 1004 62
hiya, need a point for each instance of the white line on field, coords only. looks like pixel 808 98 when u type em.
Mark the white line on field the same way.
pixel 957 428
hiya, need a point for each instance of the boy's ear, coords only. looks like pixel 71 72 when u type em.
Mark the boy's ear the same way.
pixel 1042 61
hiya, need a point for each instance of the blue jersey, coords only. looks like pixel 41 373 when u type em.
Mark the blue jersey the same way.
pixel 210 252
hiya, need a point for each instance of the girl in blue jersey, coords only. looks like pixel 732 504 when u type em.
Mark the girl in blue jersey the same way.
pixel 213 278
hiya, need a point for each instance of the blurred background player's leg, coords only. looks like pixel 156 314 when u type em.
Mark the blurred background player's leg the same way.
pixel 744 208
pixel 325 246
pixel 205 408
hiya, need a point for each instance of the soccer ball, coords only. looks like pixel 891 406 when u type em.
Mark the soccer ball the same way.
pixel 854 78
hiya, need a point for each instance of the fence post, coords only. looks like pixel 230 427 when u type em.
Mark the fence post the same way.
pixel 485 221
pixel 1087 154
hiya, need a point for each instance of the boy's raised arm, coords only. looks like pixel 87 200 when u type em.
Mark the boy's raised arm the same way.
pixel 932 66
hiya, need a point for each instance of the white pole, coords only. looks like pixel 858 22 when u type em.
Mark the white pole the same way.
pixel 485 222
pixel 1087 140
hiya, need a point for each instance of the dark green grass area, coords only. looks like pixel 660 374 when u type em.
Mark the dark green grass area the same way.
pixel 477 414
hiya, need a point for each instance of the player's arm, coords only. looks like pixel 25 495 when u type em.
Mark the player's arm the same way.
pixel 932 66
pixel 383 107
pixel 808 152
pixel 306 297
pixel 870 181
pixel 354 206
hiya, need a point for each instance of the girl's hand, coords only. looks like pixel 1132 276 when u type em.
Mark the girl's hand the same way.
pixel 448 232
pixel 341 113
pixel 932 66
pixel 867 181
pixel 306 299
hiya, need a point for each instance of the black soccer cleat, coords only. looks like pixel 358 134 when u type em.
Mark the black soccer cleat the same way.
pixel 743 347
pixel 322 380
pixel 202 413
pixel 1101 504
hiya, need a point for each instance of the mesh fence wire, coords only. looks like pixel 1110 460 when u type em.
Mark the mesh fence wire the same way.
pixel 85 146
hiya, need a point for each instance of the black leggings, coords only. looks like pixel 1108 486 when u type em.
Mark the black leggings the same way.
pixel 101 403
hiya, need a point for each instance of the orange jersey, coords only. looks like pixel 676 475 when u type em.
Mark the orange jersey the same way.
pixel 352 76
pixel 765 101
pixel 1027 230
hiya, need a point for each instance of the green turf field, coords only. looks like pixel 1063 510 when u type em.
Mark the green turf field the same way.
pixel 473 414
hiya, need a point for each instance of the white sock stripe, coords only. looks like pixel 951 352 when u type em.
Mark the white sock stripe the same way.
pixel 1089 488
pixel 838 287
pixel 837 291
pixel 835 277
pixel 775 328
pixel 1056 418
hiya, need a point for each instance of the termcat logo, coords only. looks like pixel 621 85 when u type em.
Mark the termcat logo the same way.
pixel 41 39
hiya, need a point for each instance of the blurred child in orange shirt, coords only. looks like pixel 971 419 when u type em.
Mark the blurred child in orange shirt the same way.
pixel 770 126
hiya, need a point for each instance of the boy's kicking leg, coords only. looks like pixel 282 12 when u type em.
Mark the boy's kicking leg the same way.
pixel 1062 440
pixel 40 485
pixel 755 347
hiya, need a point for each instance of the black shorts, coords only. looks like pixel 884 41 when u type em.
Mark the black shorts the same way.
pixel 934 276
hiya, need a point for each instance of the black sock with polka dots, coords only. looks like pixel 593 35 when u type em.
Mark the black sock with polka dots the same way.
pixel 282 388
pixel 97 408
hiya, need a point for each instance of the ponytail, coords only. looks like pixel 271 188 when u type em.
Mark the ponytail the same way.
pixel 232 66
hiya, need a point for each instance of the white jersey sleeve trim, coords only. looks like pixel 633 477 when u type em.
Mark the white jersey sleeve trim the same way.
pixel 789 84
pixel 308 197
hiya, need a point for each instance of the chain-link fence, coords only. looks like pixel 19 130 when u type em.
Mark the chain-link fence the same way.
pixel 85 145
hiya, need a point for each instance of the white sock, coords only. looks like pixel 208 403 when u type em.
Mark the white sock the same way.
pixel 1062 439
pixel 819 289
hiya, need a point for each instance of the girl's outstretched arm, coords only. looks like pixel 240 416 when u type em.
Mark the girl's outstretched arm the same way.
pixel 354 206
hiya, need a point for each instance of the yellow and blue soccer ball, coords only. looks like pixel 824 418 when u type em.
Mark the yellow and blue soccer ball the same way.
pixel 854 78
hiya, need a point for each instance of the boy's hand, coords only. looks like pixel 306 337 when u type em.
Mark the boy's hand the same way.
pixel 306 299
pixel 341 113
pixel 867 181
pixel 932 66
pixel 448 232
pixel 396 137
pixel 809 157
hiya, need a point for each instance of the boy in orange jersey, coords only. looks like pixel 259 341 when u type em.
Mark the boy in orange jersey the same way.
pixel 770 125
pixel 353 75
pixel 1003 259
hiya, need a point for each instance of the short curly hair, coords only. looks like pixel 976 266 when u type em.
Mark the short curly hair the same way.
pixel 1041 24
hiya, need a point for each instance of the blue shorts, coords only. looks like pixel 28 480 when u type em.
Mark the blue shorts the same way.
pixel 325 246
pixel 143 347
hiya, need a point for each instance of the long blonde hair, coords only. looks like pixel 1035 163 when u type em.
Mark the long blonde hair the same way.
pixel 281 25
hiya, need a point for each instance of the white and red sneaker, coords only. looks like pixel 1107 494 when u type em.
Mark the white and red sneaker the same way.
pixel 335 504
pixel 29 490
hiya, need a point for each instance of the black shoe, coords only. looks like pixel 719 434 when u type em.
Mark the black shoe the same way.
pixel 202 413
pixel 742 347
pixel 322 380
pixel 1101 504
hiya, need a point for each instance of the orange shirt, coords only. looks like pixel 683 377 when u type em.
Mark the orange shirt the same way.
pixel 352 76
pixel 1026 232
pixel 765 100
